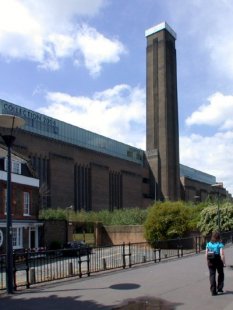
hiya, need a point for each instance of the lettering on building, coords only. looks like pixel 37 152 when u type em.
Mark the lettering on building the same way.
pixel 33 119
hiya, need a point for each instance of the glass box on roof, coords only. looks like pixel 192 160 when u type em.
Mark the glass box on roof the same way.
pixel 53 128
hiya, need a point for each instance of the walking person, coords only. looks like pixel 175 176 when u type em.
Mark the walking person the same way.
pixel 216 263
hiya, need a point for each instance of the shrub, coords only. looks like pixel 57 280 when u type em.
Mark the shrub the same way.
pixel 166 220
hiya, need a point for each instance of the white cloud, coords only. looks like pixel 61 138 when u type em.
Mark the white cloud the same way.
pixel 97 49
pixel 47 31
pixel 118 113
pixel 217 112
pixel 211 154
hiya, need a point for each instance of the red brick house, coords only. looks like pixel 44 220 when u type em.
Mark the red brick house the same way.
pixel 25 203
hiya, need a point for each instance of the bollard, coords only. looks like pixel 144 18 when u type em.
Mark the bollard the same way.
pixel 32 275
pixel 70 268
pixel 104 264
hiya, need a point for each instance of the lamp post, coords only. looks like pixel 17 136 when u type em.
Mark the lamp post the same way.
pixel 218 186
pixel 9 122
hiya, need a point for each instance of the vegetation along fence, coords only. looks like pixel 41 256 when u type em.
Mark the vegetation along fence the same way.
pixel 33 267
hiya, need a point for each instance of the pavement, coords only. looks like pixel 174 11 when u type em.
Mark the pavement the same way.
pixel 177 284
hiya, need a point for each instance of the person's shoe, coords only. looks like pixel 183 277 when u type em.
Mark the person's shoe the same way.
pixel 220 291
pixel 214 293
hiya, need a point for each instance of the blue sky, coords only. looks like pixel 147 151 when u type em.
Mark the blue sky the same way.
pixel 83 62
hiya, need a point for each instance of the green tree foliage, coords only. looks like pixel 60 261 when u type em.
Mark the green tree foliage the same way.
pixel 167 220
pixel 208 220
pixel 53 214
pixel 195 215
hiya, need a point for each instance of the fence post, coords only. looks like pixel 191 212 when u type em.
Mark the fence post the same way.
pixel 14 272
pixel 79 265
pixel 130 264
pixel 104 264
pixel 27 271
pixel 123 256
pixel 155 258
pixel 196 245
pixel 88 264
pixel 70 268
pixel 32 273
pixel 159 255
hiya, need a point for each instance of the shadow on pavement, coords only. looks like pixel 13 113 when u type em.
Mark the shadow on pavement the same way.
pixel 146 303
pixel 227 293
pixel 52 302
pixel 125 286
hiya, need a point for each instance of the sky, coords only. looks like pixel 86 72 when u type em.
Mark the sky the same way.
pixel 84 62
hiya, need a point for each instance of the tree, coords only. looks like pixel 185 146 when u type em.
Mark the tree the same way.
pixel 166 220
pixel 208 221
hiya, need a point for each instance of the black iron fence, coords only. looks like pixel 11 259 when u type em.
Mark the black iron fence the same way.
pixel 35 267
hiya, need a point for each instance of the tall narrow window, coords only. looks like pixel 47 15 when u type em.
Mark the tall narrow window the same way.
pixel 26 203
pixel 17 237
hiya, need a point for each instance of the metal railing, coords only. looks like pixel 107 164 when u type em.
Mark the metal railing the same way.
pixel 32 268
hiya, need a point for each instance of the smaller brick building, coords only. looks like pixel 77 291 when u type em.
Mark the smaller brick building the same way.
pixel 25 203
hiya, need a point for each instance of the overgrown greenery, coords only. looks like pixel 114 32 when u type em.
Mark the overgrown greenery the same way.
pixel 131 216
pixel 167 220
pixel 163 220
pixel 208 221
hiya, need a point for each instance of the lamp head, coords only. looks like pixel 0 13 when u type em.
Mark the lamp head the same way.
pixel 10 122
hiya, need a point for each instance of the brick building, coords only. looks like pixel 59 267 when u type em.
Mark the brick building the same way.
pixel 25 203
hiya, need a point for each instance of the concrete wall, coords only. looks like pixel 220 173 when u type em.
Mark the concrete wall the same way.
pixel 112 235
pixel 60 231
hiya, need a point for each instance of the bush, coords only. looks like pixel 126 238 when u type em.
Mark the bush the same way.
pixel 167 220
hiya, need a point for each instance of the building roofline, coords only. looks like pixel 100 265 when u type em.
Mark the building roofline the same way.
pixel 160 27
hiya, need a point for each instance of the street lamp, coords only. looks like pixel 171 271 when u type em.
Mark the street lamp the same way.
pixel 9 122
pixel 218 186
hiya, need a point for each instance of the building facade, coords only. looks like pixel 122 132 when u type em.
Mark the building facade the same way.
pixel 80 168
pixel 25 203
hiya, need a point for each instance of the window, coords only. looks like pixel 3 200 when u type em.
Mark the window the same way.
pixel 17 237
pixel 26 203
pixel 15 166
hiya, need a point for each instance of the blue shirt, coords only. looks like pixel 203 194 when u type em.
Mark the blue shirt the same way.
pixel 214 247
